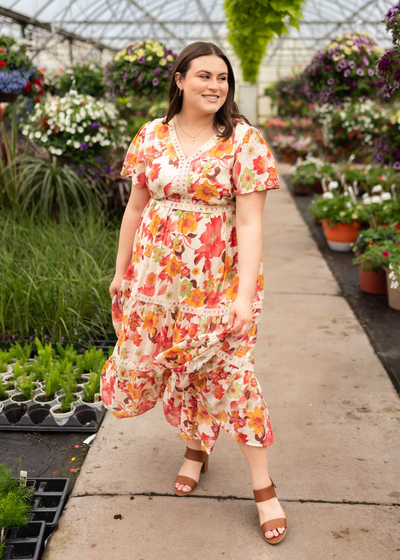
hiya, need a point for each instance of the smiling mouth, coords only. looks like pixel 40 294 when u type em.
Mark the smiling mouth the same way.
pixel 212 97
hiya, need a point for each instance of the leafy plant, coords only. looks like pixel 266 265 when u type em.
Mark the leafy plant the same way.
pixel 84 77
pixel 252 24
pixel 53 381
pixel 11 175
pixel 339 209
pixel 142 68
pixel 26 385
pixel 378 256
pixel 4 386
pixel 67 398
pixel 91 387
pixel 54 190
pixel 374 236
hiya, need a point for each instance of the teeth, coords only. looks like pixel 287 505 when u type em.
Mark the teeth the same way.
pixel 211 96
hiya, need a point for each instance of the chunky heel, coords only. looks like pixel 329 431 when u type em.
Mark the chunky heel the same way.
pixel 192 455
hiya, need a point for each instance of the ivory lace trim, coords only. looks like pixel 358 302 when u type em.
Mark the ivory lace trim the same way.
pixel 192 206
pixel 205 311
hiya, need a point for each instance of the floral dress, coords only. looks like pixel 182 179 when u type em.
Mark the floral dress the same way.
pixel 173 343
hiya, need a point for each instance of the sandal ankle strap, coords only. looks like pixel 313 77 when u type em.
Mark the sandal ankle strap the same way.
pixel 264 494
pixel 193 455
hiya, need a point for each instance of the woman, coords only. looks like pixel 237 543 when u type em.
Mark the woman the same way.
pixel 186 325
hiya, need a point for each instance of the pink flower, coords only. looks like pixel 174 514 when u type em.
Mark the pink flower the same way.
pixel 385 254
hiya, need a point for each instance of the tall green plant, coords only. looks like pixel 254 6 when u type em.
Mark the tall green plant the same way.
pixel 252 24
pixel 11 174
pixel 52 189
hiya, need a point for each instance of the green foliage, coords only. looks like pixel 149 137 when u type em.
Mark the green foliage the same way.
pixel 53 380
pixel 338 209
pixel 252 24
pixel 374 236
pixel 52 189
pixel 54 278
pixel 91 387
pixel 285 95
pixel 380 251
pixel 68 397
pixel 11 174
pixel 84 77
pixel 306 172
pixel 14 500
pixel 26 385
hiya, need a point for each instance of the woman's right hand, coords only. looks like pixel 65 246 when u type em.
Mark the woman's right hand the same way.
pixel 115 285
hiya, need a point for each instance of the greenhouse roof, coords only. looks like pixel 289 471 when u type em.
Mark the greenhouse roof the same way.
pixel 110 24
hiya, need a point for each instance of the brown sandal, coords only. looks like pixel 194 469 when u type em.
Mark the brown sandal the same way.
pixel 192 455
pixel 261 496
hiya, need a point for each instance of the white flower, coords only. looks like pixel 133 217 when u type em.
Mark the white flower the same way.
pixel 333 185
pixel 44 138
pixel 376 199
pixel 38 134
pixel 327 195
pixel 367 200
pixel 80 129
pixel 386 196
pixel 348 204
pixel 77 145
pixel 377 189
pixel 87 138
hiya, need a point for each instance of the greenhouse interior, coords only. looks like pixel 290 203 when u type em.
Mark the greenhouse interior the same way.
pixel 319 82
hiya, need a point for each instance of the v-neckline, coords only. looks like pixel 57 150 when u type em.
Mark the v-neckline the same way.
pixel 178 146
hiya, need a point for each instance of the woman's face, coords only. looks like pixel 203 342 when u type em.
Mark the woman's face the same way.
pixel 205 86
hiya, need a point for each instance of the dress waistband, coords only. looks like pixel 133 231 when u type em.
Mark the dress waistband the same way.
pixel 193 207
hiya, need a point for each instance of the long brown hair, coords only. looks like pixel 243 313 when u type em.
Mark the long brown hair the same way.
pixel 229 112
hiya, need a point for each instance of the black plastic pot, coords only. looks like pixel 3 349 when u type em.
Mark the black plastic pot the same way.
pixel 25 542
pixel 49 499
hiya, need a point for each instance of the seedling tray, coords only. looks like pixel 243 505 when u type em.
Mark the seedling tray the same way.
pixel 25 542
pixel 49 499
pixel 34 417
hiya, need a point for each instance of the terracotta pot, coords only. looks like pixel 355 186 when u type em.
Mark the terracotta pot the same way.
pixel 340 236
pixel 372 282
pixel 393 295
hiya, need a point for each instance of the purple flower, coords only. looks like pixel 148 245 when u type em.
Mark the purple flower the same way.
pixel 95 125
pixel 347 73
pixel 371 72
pixel 141 60
pixel 107 169
pixel 100 159
pixel 96 176
pixel 352 64
pixel 157 71
pixel 71 164
pixel 80 171
pixel 360 72
pixel 396 165
pixel 166 74
pixel 155 82
pixel 84 146
pixel 330 81
pixel 170 67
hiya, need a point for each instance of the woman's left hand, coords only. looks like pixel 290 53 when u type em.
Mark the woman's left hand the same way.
pixel 240 316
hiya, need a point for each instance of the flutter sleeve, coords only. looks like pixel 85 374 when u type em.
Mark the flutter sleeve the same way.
pixel 134 164
pixel 254 167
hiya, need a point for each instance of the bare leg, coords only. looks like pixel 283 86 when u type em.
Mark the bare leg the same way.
pixel 258 463
pixel 190 468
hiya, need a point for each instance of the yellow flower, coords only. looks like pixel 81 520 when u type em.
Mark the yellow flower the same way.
pixel 173 267
pixel 355 216
pixel 347 50
pixel 140 52
pixel 342 213
pixel 149 58
pixel 187 223
pixel 162 62
pixel 170 58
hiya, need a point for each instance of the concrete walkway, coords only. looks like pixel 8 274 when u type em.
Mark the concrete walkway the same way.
pixel 335 418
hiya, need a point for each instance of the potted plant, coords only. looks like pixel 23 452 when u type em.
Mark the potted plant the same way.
pixel 64 408
pixel 51 386
pixel 371 249
pixel 16 69
pixel 306 175
pixel 25 386
pixel 15 504
pixel 91 391
pixel 141 69
pixel 340 217
pixel 393 280
pixel 85 77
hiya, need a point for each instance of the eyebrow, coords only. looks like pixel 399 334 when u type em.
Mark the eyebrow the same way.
pixel 207 72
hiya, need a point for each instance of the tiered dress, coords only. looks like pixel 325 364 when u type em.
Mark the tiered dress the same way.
pixel 173 343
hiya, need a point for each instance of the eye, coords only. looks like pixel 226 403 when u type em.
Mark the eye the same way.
pixel 205 76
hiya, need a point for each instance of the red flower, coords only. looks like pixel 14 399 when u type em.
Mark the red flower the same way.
pixel 260 164
pixel 212 244
pixel 2 63
pixel 385 254
pixel 27 88
pixel 3 50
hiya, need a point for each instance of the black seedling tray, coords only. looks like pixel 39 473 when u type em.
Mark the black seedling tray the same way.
pixel 25 542
pixel 33 417
pixel 49 499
